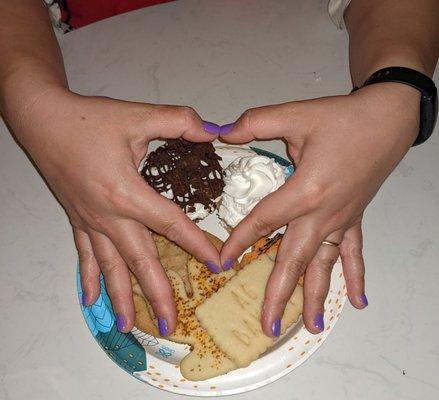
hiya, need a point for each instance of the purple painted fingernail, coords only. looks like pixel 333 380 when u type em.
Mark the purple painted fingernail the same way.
pixel 163 327
pixel 225 129
pixel 228 264
pixel 84 299
pixel 210 127
pixel 319 323
pixel 275 328
pixel 363 300
pixel 213 267
pixel 120 322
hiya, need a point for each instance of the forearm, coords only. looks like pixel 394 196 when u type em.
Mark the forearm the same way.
pixel 392 33
pixel 32 65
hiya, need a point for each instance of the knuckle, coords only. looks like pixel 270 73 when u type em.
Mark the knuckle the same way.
pixel 313 195
pixel 294 268
pixel 118 196
pixel 351 251
pixel 172 230
pixel 188 115
pixel 109 266
pixel 249 120
pixel 317 296
pixel 85 256
pixel 260 227
pixel 139 262
pixel 327 263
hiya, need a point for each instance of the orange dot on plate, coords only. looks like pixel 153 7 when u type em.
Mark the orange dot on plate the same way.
pixel 288 366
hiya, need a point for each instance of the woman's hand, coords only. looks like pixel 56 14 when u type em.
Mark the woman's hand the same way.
pixel 89 150
pixel 344 148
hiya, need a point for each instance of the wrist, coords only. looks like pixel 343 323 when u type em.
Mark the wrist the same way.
pixel 24 109
pixel 394 103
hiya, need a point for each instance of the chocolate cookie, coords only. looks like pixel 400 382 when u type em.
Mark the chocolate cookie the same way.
pixel 187 173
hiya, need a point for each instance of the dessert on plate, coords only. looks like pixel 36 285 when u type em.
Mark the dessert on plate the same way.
pixel 247 180
pixel 190 174
pixel 219 344
pixel 218 314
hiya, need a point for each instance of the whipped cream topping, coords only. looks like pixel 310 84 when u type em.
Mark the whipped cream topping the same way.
pixel 247 181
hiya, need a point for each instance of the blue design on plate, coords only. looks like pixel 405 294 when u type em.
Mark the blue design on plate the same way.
pixel 122 348
pixel 289 171
pixel 99 316
pixel 166 351
pixel 289 168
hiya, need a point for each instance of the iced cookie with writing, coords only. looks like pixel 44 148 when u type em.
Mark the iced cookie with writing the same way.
pixel 231 316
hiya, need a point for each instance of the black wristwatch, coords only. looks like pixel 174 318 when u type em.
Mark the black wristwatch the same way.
pixel 419 81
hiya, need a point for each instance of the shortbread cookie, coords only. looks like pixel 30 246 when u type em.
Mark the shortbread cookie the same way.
pixel 232 315
pixel 205 360
pixel 172 258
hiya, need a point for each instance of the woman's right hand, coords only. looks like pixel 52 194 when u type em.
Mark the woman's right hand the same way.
pixel 88 150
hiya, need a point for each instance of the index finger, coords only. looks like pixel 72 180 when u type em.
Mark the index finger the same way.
pixel 166 218
pixel 293 199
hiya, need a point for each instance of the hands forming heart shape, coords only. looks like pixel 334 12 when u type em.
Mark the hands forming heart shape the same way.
pixel 344 148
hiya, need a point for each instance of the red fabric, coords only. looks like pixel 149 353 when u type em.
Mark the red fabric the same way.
pixel 79 13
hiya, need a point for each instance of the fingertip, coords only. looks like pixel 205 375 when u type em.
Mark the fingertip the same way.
pixel 314 323
pixel 359 301
pixel 211 127
pixel 226 129
pixel 90 290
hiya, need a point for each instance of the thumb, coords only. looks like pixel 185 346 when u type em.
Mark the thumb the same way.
pixel 172 122
pixel 268 122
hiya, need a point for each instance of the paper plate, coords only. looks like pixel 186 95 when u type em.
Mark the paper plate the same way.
pixel 156 361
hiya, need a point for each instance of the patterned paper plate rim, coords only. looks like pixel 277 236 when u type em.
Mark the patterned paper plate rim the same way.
pixel 156 361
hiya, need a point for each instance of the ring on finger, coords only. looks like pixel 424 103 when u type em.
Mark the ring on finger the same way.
pixel 331 243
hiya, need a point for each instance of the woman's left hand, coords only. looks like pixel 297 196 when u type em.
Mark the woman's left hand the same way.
pixel 344 148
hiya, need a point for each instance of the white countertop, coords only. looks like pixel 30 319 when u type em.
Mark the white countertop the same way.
pixel 221 57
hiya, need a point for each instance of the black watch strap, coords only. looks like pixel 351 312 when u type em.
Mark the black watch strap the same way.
pixel 418 80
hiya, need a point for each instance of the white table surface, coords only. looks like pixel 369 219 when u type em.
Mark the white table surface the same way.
pixel 221 57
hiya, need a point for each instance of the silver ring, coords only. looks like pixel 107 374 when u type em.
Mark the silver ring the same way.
pixel 329 243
